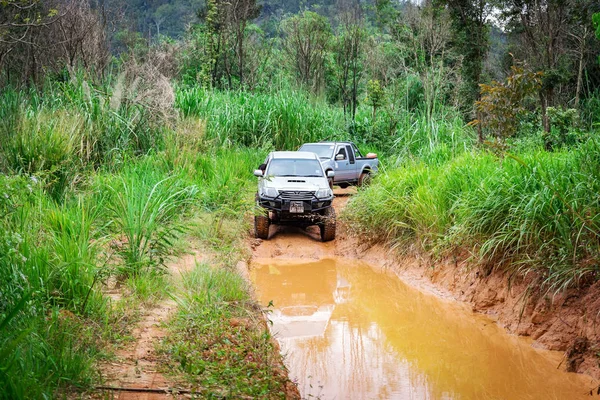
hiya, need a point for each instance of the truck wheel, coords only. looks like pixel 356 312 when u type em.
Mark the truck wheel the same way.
pixel 364 179
pixel 261 226
pixel 328 225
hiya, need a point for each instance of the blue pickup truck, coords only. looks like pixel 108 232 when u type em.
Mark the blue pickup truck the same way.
pixel 344 158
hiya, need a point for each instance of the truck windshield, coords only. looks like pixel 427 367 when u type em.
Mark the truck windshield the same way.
pixel 321 150
pixel 294 167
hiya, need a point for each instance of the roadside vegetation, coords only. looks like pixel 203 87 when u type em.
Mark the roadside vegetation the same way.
pixel 118 150
pixel 528 212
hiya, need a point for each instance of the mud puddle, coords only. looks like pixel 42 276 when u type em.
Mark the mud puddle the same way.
pixel 350 332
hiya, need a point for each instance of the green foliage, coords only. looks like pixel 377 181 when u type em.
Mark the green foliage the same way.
pixel 144 206
pixel 502 103
pixel 471 37
pixel 375 95
pixel 535 212
pixel 66 127
pixel 284 120
pixel 217 341
pixel 347 48
pixel 306 42
pixel 564 128
pixel 51 312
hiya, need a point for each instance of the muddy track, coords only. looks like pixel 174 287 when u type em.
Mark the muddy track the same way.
pixel 134 373
pixel 556 325
pixel 293 242
pixel 566 322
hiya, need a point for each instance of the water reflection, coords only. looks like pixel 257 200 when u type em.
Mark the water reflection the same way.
pixel 352 333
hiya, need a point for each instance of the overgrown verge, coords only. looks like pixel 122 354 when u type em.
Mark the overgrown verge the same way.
pixel 218 339
pixel 532 212
pixel 95 193
pixel 220 342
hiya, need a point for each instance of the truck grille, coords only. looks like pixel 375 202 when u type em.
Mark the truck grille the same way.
pixel 296 194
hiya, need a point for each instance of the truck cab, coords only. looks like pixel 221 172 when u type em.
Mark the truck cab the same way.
pixel 345 159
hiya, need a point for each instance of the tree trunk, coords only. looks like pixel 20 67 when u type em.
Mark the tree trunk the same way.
pixel 240 44
pixel 580 71
pixel 479 128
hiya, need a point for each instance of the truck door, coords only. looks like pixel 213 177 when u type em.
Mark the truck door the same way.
pixel 343 168
pixel 352 165
pixel 346 166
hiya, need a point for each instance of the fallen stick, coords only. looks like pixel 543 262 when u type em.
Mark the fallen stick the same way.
pixel 144 390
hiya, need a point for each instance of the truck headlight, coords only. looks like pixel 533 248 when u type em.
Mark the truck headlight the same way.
pixel 270 192
pixel 324 193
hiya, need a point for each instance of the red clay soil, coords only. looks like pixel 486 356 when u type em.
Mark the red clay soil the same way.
pixel 566 322
pixel 135 368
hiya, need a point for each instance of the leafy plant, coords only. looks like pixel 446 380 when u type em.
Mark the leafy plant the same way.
pixel 501 103
pixel 375 95
pixel 564 128
pixel 145 206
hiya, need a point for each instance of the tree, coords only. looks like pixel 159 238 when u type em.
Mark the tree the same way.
pixel 375 96
pixel 501 103
pixel 38 37
pixel 541 28
pixel 306 38
pixel 226 25
pixel 348 59
pixel 471 39
pixel 238 14
pixel 425 35
pixel 579 38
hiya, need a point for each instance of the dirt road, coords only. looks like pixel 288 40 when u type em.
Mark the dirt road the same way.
pixel 292 242
pixel 451 279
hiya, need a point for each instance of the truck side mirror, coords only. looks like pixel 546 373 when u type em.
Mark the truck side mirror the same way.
pixel 330 174
pixel 258 172
pixel 340 157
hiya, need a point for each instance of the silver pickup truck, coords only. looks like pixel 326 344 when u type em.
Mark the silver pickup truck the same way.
pixel 344 158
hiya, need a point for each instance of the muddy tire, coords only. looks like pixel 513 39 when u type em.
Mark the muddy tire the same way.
pixel 328 225
pixel 261 226
pixel 364 179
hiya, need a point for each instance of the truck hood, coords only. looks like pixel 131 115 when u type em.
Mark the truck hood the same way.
pixel 296 183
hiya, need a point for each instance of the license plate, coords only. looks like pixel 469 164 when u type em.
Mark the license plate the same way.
pixel 296 207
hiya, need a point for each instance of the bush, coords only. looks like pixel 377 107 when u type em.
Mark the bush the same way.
pixel 536 212
pixel 145 204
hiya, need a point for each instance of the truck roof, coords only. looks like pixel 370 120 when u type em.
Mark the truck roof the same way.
pixel 328 143
pixel 294 154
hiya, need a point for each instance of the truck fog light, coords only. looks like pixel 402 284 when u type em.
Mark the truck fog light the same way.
pixel 320 204
pixel 272 203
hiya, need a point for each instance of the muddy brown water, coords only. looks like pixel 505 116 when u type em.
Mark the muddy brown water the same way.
pixel 351 332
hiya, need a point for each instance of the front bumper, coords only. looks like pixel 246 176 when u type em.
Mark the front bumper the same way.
pixel 285 205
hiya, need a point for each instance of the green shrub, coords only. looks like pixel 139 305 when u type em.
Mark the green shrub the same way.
pixel 284 120
pixel 145 204
pixel 539 211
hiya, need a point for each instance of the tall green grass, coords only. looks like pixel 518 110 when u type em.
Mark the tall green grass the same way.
pixel 536 211
pixel 283 120
pixel 51 311
pixel 286 119
pixel 144 205
pixel 58 131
